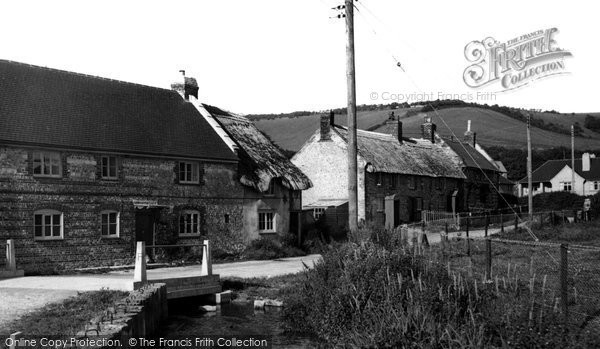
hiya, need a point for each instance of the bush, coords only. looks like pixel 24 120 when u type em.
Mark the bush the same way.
pixel 271 248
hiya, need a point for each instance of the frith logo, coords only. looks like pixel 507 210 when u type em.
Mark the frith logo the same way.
pixel 514 63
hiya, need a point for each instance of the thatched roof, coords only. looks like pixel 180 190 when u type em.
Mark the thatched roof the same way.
pixel 260 160
pixel 420 157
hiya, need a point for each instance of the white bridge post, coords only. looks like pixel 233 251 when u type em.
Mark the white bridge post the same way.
pixel 139 274
pixel 206 259
pixel 11 261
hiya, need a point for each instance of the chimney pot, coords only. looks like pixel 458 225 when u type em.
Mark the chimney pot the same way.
pixel 428 130
pixel 186 86
pixel 326 126
pixel 469 136
pixel 585 162
pixel 399 133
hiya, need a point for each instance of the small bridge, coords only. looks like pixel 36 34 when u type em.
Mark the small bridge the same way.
pixel 179 287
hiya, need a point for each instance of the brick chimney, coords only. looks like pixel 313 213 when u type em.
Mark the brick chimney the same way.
pixel 326 123
pixel 585 162
pixel 428 129
pixel 399 132
pixel 186 86
pixel 469 135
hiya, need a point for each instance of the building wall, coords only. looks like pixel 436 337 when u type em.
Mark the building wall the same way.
pixel 478 192
pixel 433 198
pixel 281 203
pixel 564 175
pixel 326 164
pixel 81 195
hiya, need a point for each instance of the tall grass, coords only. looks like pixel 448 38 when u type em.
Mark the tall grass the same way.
pixel 378 293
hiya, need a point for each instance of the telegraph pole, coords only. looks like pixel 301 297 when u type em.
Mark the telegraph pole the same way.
pixel 529 171
pixel 351 86
pixel 573 159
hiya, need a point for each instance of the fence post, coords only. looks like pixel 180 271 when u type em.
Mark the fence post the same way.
pixel 501 223
pixel 574 216
pixel 552 220
pixel 206 259
pixel 487 222
pixel 564 273
pixel 139 274
pixel 11 262
pixel 517 221
pixel 468 242
pixel 488 258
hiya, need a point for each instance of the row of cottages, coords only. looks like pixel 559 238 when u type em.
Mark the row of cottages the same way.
pixel 398 177
pixel 89 166
pixel 557 175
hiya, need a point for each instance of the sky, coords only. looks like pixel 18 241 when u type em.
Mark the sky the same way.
pixel 276 56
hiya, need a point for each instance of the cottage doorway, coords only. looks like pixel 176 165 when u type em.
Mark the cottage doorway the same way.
pixel 145 225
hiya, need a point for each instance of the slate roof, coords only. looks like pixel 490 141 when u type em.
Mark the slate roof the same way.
pixel 550 168
pixel 48 107
pixel 470 156
pixel 413 156
pixel 261 160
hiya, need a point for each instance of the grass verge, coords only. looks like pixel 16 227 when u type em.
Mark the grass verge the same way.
pixel 68 317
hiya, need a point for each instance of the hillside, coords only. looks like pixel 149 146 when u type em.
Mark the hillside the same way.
pixel 493 128
pixel 291 133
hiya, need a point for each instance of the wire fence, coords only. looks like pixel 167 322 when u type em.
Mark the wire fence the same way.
pixel 563 279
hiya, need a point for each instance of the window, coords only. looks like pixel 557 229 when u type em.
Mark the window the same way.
pixel 566 186
pixel 226 218
pixel 318 212
pixel 46 164
pixel 411 182
pixel 47 225
pixel 109 167
pixel 110 224
pixel 439 183
pixel 271 190
pixel 189 223
pixel 266 221
pixel 188 172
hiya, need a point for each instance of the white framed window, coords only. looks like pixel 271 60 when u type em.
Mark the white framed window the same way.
pixel 189 172
pixel 47 164
pixel 108 167
pixel 109 223
pixel 189 223
pixel 318 212
pixel 266 221
pixel 566 186
pixel 47 225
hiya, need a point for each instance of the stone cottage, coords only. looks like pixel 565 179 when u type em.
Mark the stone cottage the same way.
pixel 272 184
pixel 89 166
pixel 483 176
pixel 398 177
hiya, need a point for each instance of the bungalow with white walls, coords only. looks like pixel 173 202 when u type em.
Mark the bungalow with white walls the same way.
pixel 557 175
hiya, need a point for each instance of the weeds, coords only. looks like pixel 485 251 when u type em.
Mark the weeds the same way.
pixel 377 293
pixel 68 317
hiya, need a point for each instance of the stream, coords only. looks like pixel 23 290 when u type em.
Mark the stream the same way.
pixel 230 320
